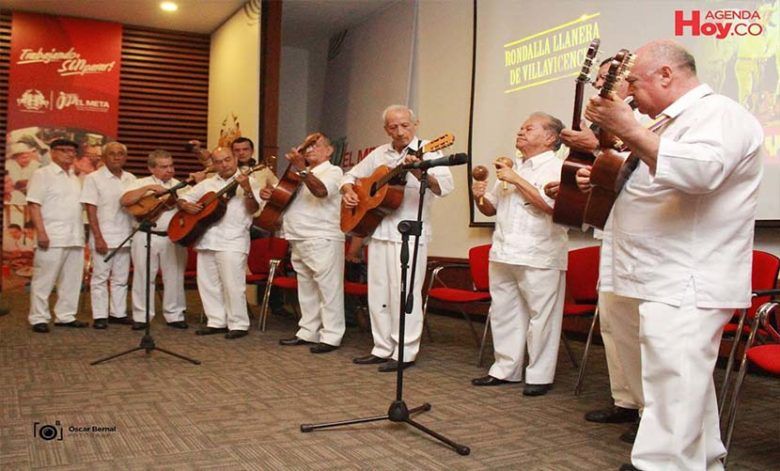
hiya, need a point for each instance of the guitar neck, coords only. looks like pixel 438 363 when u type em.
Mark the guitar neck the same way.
pixel 579 92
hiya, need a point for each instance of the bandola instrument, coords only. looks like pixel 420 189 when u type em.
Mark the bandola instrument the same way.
pixel 570 203
pixel 381 193
pixel 270 217
pixel 185 228
pixel 610 169
pixel 149 207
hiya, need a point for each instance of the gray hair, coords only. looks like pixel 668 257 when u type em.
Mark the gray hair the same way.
pixel 553 125
pixel 105 146
pixel 156 155
pixel 393 108
pixel 672 53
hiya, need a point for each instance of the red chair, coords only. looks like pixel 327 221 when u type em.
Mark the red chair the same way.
pixel 278 249
pixel 261 252
pixel 480 294
pixel 582 276
pixel 357 290
pixel 766 357
pixel 766 268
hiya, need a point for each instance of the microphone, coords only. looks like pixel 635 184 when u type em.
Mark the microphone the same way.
pixel 448 161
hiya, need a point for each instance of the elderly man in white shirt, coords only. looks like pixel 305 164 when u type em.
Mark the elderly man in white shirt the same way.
pixel 384 250
pixel 53 198
pixel 223 248
pixel 527 261
pixel 109 225
pixel 169 258
pixel 678 249
pixel 311 224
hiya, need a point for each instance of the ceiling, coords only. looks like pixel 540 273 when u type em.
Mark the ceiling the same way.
pixel 303 21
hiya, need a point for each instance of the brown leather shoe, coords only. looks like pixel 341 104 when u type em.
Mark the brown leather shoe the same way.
pixel 369 360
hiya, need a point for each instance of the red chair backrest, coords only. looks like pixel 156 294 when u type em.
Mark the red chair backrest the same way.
pixel 582 276
pixel 766 268
pixel 192 259
pixel 478 265
pixel 263 250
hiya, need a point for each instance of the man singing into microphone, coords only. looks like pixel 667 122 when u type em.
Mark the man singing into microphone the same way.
pixel 384 250
pixel 527 261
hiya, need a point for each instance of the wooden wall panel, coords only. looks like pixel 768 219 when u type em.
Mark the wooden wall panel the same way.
pixel 163 95
pixel 5 61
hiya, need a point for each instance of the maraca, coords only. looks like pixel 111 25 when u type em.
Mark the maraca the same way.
pixel 480 174
pixel 509 163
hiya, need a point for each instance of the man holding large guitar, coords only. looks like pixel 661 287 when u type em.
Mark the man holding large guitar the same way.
pixel 170 258
pixel 311 224
pixel 384 250
pixel 223 247
pixel 679 249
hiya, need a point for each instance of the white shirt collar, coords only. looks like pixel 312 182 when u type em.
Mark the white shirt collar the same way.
pixel 685 101
pixel 537 160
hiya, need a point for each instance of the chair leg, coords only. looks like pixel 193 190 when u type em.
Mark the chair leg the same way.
pixel 484 340
pixel 584 361
pixel 471 325
pixel 267 295
pixel 426 327
pixel 569 350
pixel 724 388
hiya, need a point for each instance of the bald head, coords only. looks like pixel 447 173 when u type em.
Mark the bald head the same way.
pixel 663 72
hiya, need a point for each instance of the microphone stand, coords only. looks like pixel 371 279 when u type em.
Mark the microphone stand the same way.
pixel 398 411
pixel 147 342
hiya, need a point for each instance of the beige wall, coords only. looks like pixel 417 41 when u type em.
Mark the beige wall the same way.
pixel 234 76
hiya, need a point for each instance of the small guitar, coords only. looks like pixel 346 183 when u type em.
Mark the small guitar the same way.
pixel 185 228
pixel 570 203
pixel 381 193
pixel 609 171
pixel 270 218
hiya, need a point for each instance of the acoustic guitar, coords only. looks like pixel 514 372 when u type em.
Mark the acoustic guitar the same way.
pixel 570 203
pixel 151 206
pixel 381 193
pixel 610 170
pixel 270 218
pixel 185 228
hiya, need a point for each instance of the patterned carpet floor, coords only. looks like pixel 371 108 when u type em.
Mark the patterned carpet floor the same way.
pixel 242 407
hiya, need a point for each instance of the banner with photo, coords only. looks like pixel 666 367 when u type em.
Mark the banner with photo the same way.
pixel 63 83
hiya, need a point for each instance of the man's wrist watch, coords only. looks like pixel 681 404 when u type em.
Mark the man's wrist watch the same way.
pixel 304 173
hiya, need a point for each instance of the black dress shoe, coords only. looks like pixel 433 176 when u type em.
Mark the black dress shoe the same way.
pixel 139 326
pixel 536 389
pixel 100 324
pixel 369 360
pixel 211 330
pixel 41 328
pixel 629 467
pixel 629 436
pixel 72 324
pixel 613 415
pixel 120 320
pixel 392 365
pixel 178 324
pixel 323 348
pixel 236 334
pixel 490 381
pixel 293 341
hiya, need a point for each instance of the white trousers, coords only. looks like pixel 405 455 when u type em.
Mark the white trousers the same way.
pixel 319 264
pixel 56 266
pixel 679 429
pixel 170 259
pixel 526 311
pixel 619 321
pixel 384 303
pixel 222 288
pixel 109 276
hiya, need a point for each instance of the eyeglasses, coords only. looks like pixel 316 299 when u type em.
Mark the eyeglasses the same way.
pixel 67 150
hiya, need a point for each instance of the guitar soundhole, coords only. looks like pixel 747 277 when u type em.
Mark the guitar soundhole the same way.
pixel 372 192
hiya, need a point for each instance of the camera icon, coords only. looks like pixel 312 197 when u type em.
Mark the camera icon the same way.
pixel 48 432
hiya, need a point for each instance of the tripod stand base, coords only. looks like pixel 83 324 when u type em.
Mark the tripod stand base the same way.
pixel 147 344
pixel 398 412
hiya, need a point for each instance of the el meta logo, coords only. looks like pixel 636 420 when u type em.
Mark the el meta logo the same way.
pixel 718 23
